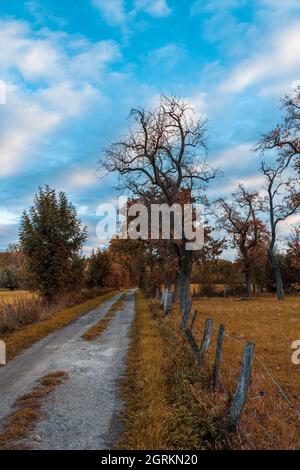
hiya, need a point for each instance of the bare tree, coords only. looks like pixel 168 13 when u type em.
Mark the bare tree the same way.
pixel 285 138
pixel 281 201
pixel 240 219
pixel 164 153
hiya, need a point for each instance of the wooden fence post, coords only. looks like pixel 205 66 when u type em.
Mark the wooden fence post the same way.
pixel 164 293
pixel 194 319
pixel 168 303
pixel 208 329
pixel 2 353
pixel 190 337
pixel 216 366
pixel 243 384
pixel 162 297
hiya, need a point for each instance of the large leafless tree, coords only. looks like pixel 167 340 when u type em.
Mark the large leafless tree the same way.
pixel 285 138
pixel 282 200
pixel 282 188
pixel 164 153
pixel 240 218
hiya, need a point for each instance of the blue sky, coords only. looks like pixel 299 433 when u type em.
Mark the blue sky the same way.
pixel 73 70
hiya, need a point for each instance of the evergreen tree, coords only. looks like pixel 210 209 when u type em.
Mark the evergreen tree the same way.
pixel 98 269
pixel 9 277
pixel 51 237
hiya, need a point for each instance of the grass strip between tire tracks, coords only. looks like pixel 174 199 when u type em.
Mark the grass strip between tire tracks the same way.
pixel 28 410
pixel 96 330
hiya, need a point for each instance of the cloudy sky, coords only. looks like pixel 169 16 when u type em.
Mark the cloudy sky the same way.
pixel 73 70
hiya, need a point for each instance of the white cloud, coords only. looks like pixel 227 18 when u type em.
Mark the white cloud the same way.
pixel 199 6
pixel 240 155
pixel 280 5
pixel 66 99
pixel 113 11
pixel 158 8
pixel 8 217
pixel 25 122
pixel 45 86
pixel 282 56
pixel 255 182
pixel 81 178
pixel 166 56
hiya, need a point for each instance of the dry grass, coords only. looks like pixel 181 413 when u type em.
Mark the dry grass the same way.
pixel 268 421
pixel 21 339
pixel 96 330
pixel 28 410
pixel 31 308
pixel 162 410
pixel 198 288
pixel 24 311
pixel 10 297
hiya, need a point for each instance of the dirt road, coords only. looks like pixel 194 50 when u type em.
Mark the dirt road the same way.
pixel 82 412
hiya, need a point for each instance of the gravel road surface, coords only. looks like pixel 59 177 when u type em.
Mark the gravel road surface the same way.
pixel 82 411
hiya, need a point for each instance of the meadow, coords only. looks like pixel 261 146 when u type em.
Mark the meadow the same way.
pixel 10 297
pixel 271 419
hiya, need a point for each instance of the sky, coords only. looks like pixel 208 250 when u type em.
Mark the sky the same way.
pixel 73 70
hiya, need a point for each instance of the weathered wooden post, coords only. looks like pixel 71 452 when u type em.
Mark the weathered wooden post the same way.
pixel 208 329
pixel 243 384
pixel 218 357
pixel 164 293
pixel 194 319
pixel 162 297
pixel 2 353
pixel 190 337
pixel 168 303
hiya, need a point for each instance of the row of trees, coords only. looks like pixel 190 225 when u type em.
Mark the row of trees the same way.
pixel 49 256
pixel 162 159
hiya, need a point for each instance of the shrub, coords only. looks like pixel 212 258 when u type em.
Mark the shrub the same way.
pixel 10 277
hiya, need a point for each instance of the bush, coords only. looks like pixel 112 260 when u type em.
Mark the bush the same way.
pixel 10 277
pixel 98 269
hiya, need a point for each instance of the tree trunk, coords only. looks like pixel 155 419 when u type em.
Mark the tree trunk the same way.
pixel 278 280
pixel 277 272
pixel 185 300
pixel 247 272
pixel 186 265
pixel 177 286
pixel 248 284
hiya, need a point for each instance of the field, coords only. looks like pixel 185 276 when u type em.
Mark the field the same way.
pixel 9 297
pixel 272 326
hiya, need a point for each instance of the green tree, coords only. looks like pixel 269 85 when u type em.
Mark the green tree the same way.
pixel 99 266
pixel 10 277
pixel 51 237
